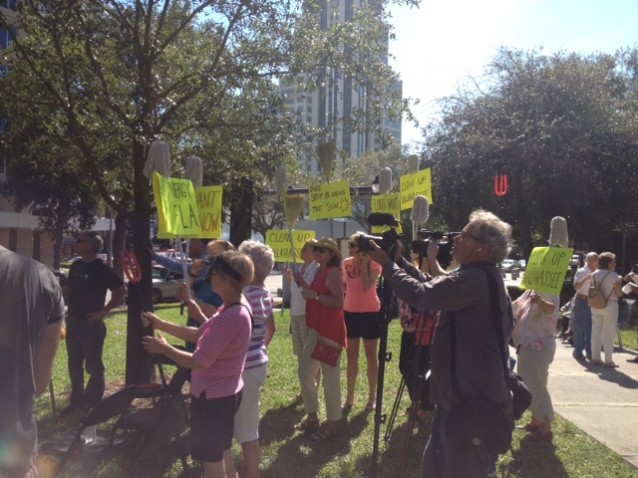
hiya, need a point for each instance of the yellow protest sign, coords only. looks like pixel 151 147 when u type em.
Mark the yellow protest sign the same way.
pixel 209 201
pixel 177 209
pixel 546 269
pixel 330 200
pixel 415 184
pixel 388 203
pixel 279 241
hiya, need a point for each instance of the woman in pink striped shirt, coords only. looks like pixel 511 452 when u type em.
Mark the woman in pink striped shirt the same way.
pixel 217 363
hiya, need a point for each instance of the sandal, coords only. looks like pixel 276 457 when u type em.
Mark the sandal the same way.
pixel 324 433
pixel 307 425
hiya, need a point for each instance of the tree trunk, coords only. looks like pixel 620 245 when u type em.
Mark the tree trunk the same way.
pixel 138 362
pixel 241 205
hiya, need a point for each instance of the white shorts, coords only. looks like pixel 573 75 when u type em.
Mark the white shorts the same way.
pixel 247 417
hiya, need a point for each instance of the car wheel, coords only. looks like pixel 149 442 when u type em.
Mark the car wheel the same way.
pixel 157 296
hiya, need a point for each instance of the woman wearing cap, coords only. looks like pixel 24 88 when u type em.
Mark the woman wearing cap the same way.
pixel 324 317
pixel 217 363
pixel 361 308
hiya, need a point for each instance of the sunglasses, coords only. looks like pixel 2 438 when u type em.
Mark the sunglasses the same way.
pixel 320 250
pixel 218 264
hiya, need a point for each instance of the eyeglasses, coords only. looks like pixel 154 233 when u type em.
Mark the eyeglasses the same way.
pixel 465 235
pixel 320 250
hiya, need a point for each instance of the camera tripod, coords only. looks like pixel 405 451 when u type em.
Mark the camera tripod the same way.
pixel 415 375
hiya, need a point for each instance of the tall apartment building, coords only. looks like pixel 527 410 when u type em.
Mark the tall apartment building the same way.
pixel 330 106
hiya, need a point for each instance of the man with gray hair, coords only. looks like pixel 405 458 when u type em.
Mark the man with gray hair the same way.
pixel 581 321
pixel 466 357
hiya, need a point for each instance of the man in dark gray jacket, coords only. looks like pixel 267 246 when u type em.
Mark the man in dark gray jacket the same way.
pixel 463 297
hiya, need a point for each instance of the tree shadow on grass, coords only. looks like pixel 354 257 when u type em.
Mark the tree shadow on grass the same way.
pixel 533 458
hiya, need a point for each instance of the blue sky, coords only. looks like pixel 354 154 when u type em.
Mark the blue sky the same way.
pixel 441 44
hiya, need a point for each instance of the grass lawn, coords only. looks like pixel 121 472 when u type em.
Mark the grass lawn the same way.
pixel 288 453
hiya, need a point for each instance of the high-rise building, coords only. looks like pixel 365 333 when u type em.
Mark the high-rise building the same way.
pixel 332 106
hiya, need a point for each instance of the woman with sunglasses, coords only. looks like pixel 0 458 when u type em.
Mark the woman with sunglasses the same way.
pixel 361 309
pixel 324 317
pixel 217 363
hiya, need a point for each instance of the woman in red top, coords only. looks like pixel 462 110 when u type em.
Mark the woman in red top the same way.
pixel 324 317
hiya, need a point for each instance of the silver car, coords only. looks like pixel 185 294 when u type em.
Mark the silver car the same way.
pixel 165 284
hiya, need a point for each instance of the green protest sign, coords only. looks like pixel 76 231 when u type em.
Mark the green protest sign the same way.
pixel 546 269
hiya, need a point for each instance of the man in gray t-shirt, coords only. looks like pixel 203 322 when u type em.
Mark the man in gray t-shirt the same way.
pixel 31 313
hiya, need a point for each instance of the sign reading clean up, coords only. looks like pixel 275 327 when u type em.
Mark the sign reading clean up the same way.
pixel 546 269
pixel 279 241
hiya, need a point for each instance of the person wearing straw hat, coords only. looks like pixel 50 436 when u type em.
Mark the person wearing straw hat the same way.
pixel 324 317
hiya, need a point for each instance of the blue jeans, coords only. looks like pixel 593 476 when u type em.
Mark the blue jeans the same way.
pixel 443 459
pixel 581 327
pixel 84 344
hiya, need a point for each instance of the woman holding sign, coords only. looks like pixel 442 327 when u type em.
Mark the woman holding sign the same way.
pixel 536 315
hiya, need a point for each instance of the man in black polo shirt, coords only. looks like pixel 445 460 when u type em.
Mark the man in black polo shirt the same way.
pixel 85 293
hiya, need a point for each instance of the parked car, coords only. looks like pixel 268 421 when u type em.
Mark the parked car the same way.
pixel 62 277
pixel 508 265
pixel 165 284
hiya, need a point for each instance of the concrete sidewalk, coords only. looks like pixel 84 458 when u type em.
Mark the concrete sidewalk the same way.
pixel 600 401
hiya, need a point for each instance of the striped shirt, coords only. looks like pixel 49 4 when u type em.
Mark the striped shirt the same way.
pixel 261 302
pixel 221 351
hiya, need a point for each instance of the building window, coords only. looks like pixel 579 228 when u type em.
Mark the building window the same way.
pixel 10 4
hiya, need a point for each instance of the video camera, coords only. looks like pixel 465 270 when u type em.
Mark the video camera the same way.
pixel 424 236
pixel 387 241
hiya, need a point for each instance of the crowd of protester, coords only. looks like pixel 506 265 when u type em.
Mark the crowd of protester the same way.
pixel 335 307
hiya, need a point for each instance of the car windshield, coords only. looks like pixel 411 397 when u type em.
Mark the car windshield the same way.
pixel 159 273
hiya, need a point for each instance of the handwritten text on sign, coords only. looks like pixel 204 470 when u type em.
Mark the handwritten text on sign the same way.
pixel 177 208
pixel 546 269
pixel 415 184
pixel 388 203
pixel 330 200
pixel 209 201
pixel 279 241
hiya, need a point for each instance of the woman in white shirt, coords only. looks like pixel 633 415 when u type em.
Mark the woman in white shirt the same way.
pixel 605 321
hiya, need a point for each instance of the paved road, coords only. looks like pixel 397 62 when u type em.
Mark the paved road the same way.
pixel 600 401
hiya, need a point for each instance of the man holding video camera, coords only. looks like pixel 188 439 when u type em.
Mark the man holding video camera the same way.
pixel 466 359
